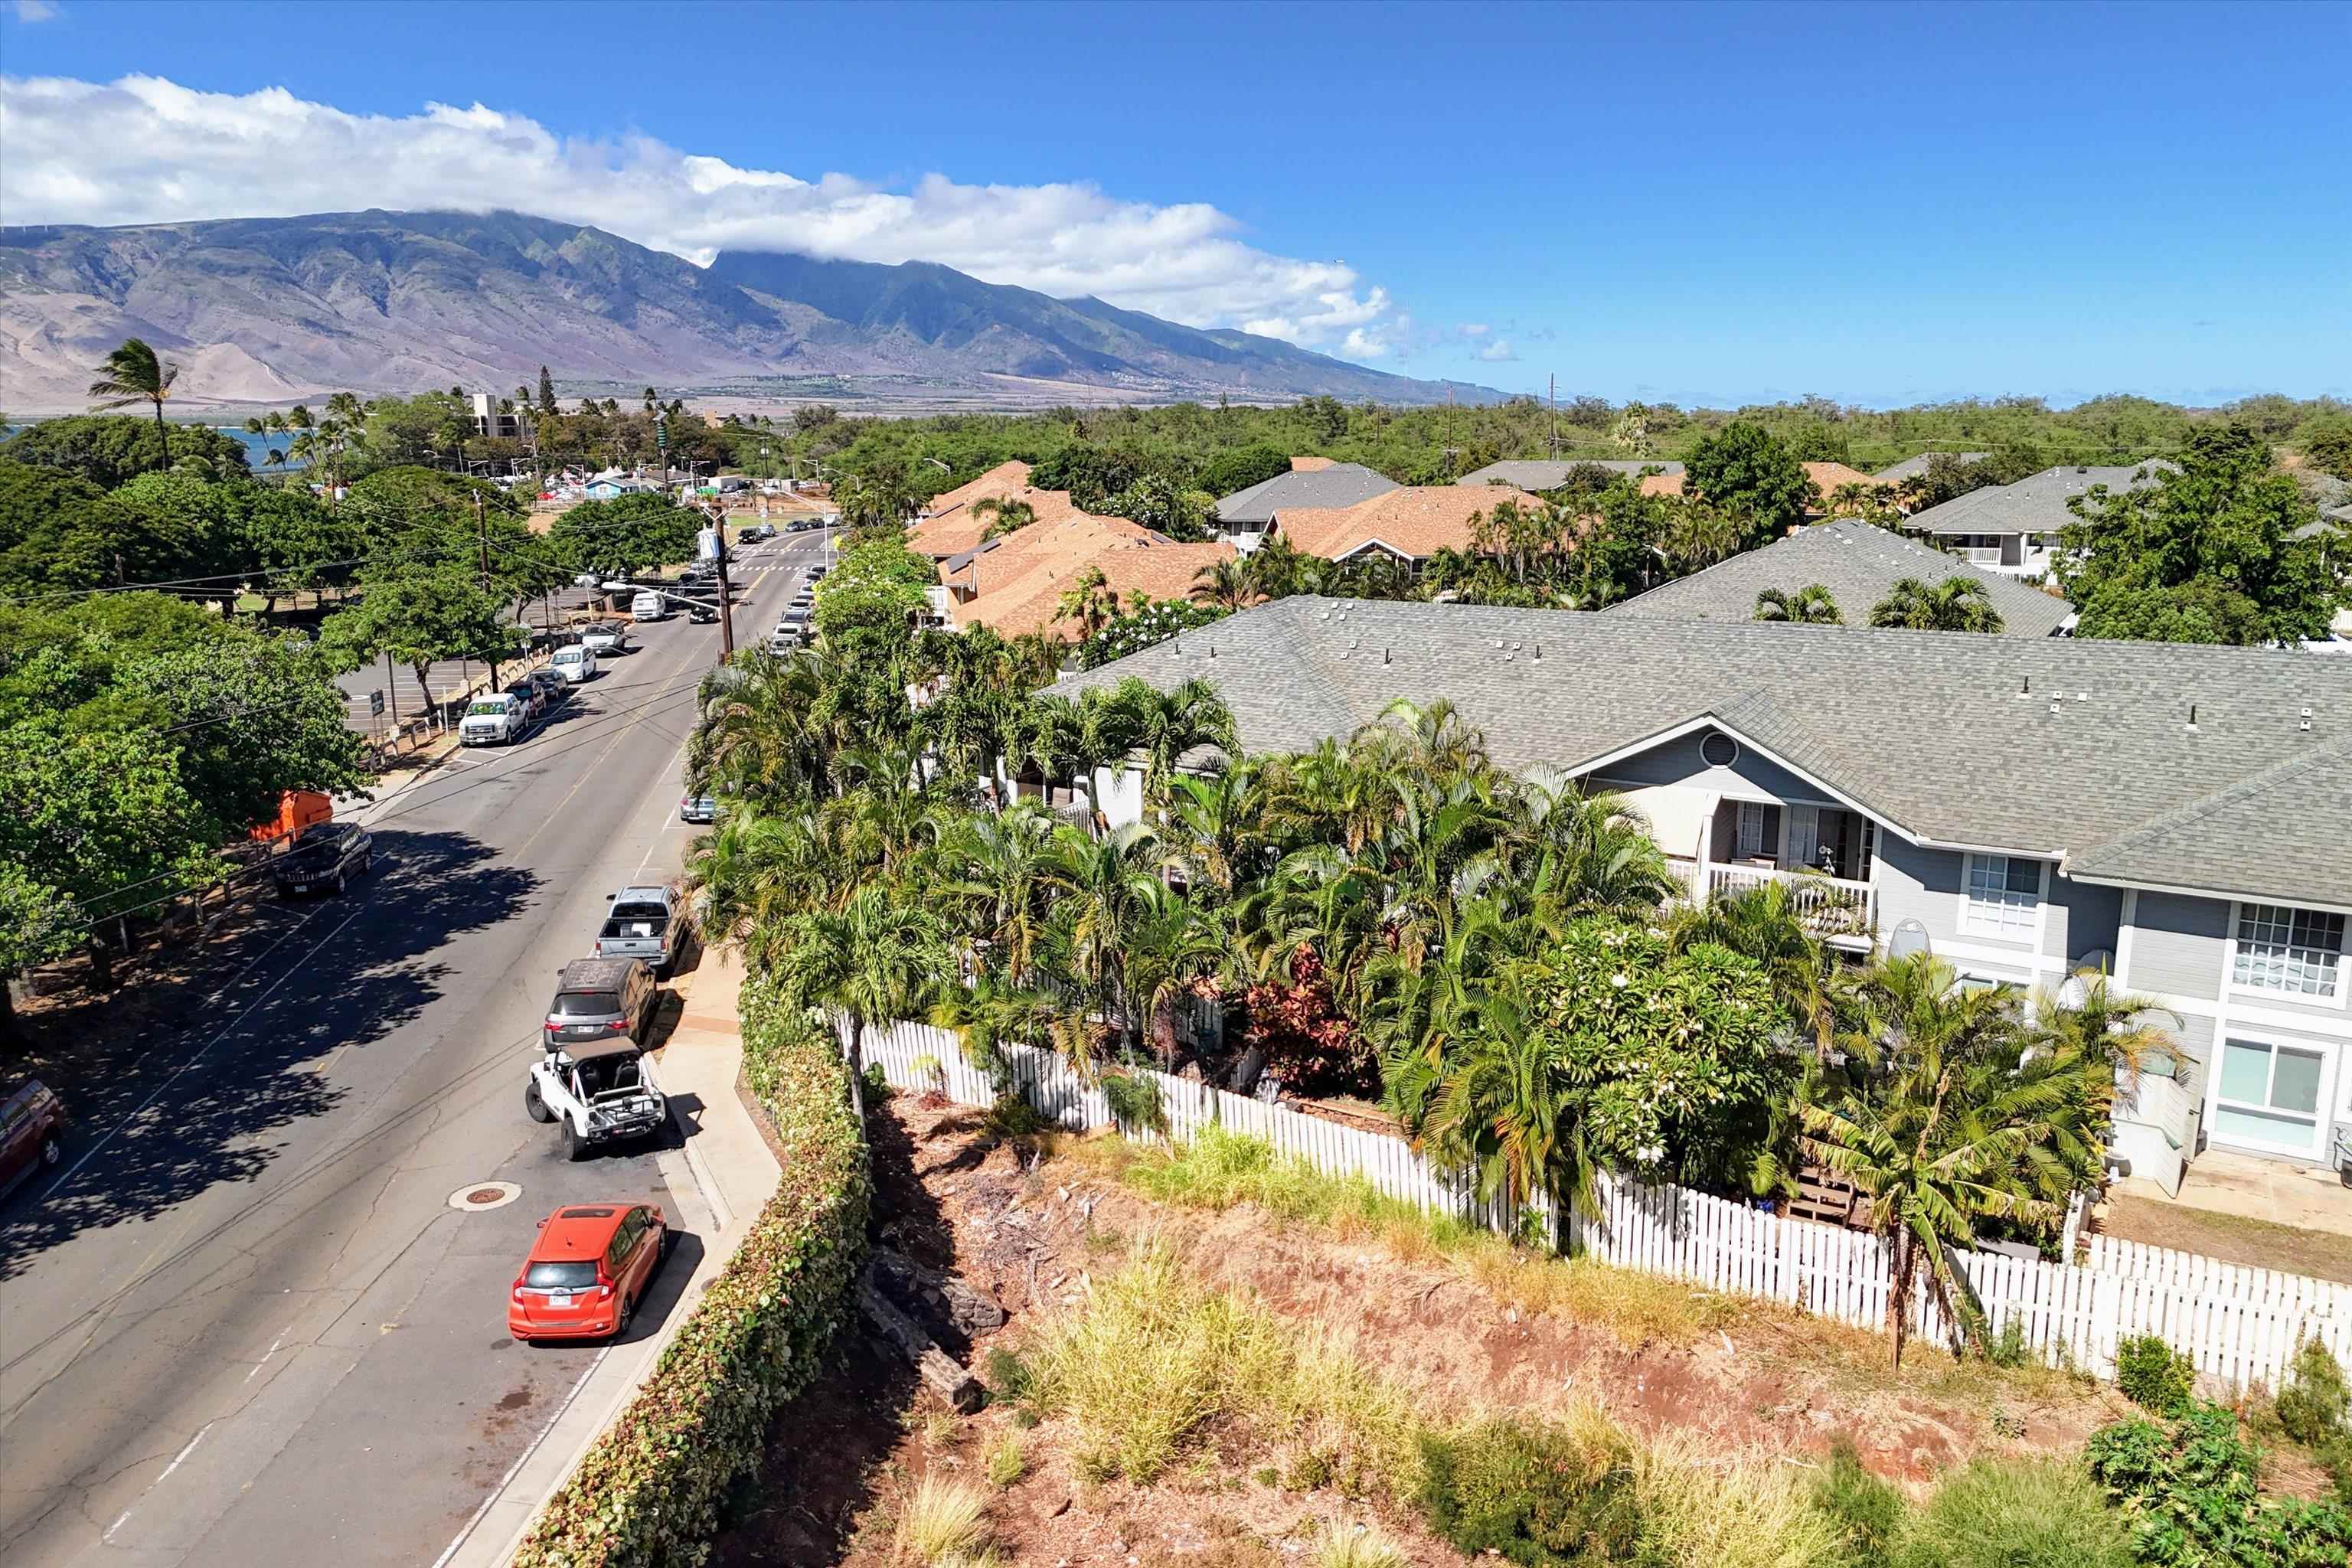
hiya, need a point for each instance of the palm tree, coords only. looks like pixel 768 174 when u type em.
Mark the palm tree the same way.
pixel 1592 852
pixel 1954 604
pixel 1167 726
pixel 1088 603
pixel 1936 1124
pixel 1228 584
pixel 1101 889
pixel 1502 1108
pixel 1764 923
pixel 1810 605
pixel 881 955
pixel 761 738
pixel 1010 514
pixel 133 373
pixel 999 871
pixel 1853 498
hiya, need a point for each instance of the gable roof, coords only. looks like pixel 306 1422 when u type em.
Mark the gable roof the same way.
pixel 1857 564
pixel 951 526
pixel 1026 596
pixel 2294 811
pixel 1415 521
pixel 2034 504
pixel 1327 484
pixel 1949 736
pixel 1550 474
pixel 1912 467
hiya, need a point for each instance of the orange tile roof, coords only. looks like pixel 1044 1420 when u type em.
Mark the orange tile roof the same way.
pixel 953 526
pixel 1030 599
pixel 1310 465
pixel 1828 476
pixel 1074 536
pixel 1662 484
pixel 1009 479
pixel 1416 520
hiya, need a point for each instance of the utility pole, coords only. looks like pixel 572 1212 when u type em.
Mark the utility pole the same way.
pixel 726 610
pixel 661 440
pixel 482 537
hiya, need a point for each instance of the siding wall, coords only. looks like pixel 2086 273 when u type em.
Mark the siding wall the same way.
pixel 1923 884
pixel 2083 919
pixel 2176 945
pixel 1678 762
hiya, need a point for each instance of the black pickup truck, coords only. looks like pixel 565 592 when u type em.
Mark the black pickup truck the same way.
pixel 322 855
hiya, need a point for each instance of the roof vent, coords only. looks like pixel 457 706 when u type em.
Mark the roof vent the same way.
pixel 1180 647
pixel 1498 642
pixel 1325 615
pixel 1213 650
pixel 2304 724
pixel 1538 652
pixel 2081 697
pixel 2025 687
pixel 2192 716
pixel 2055 702
pixel 1384 655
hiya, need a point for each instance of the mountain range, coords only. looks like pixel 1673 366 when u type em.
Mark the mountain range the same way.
pixel 268 310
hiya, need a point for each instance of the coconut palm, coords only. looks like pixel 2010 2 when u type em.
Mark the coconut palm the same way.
pixel 1936 1125
pixel 880 956
pixel 1100 887
pixel 1809 605
pixel 1954 604
pixel 1164 727
pixel 997 870
pixel 1010 514
pixel 1227 584
pixel 1088 603
pixel 133 373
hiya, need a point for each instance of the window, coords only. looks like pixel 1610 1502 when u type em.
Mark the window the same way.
pixel 1751 830
pixel 2283 949
pixel 2004 895
pixel 2269 1095
pixel 1718 749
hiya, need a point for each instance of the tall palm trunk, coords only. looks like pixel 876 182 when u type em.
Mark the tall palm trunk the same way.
pixel 164 431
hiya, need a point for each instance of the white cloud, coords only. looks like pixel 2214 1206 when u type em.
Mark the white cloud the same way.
pixel 1474 329
pixel 34 11
pixel 146 150
pixel 1497 351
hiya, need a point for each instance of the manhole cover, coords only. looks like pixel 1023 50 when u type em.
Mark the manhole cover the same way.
pixel 483 1196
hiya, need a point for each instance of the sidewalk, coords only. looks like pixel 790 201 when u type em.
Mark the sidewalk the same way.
pixel 731 1170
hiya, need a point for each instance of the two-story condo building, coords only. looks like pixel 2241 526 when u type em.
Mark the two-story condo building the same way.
pixel 2178 817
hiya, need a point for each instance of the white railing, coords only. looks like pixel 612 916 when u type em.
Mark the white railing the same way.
pixel 2239 1326
pixel 1831 906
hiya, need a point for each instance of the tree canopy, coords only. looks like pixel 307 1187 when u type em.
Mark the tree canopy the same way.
pixel 1745 470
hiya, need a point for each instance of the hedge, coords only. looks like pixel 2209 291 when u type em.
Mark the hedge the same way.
pixel 647 1494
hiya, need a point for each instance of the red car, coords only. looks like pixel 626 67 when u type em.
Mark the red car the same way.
pixel 31 1120
pixel 587 1272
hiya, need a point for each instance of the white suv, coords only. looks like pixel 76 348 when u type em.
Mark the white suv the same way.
pixel 494 719
pixel 649 606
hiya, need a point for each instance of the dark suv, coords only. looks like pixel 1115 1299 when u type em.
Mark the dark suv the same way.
pixel 598 998
pixel 323 855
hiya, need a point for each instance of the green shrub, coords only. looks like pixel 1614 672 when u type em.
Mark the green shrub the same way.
pixel 1867 1509
pixel 1007 1461
pixel 649 1490
pixel 2312 1403
pixel 2335 1458
pixel 2189 1494
pixel 2038 1513
pixel 1135 1100
pixel 2153 1376
pixel 1538 1495
pixel 1012 1117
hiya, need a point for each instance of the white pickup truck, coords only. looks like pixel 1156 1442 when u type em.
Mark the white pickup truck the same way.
pixel 494 719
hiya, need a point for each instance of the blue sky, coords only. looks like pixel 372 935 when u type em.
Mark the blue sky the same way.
pixel 1880 203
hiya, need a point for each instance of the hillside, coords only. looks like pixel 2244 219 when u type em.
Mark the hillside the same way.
pixel 262 310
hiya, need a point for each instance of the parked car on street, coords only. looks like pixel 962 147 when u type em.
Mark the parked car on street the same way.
pixel 588 1270
pixel 494 719
pixel 575 664
pixel 605 639
pixel 599 998
pixel 533 696
pixel 552 687
pixel 32 1132
pixel 754 533
pixel 703 808
pixel 640 923
pixel 322 855
pixel 649 606
pixel 596 1092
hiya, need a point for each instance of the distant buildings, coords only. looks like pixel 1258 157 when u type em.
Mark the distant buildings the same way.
pixel 1316 482
pixel 2013 528
pixel 493 422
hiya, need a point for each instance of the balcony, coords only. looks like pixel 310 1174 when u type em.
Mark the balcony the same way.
pixel 1832 907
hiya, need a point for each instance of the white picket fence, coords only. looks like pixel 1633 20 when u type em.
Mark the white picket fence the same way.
pixel 2239 1326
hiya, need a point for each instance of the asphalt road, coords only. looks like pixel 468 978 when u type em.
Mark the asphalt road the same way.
pixel 243 1326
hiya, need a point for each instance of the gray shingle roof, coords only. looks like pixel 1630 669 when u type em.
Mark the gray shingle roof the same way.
pixel 1857 564
pixel 1542 474
pixel 1911 468
pixel 2035 504
pixel 1341 484
pixel 1949 736
pixel 2295 811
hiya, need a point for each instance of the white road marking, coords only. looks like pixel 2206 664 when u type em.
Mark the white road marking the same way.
pixel 516 1469
pixel 124 1517
pixel 268 1353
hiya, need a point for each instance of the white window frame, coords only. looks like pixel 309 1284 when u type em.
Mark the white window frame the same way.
pixel 1740 819
pixel 2330 1064
pixel 2338 981
pixel 2024 926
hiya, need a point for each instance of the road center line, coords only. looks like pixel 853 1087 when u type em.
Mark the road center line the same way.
pixel 124 1517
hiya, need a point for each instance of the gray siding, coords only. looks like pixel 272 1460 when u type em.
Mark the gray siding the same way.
pixel 1679 762
pixel 2177 944
pixel 2083 919
pixel 1922 884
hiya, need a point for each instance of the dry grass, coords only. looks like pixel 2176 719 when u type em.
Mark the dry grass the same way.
pixel 942 1523
pixel 1343 1545
pixel 1704 1509
pixel 1149 1361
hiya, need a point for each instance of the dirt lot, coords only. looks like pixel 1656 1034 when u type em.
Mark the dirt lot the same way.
pixel 1034 1233
pixel 2254 1243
